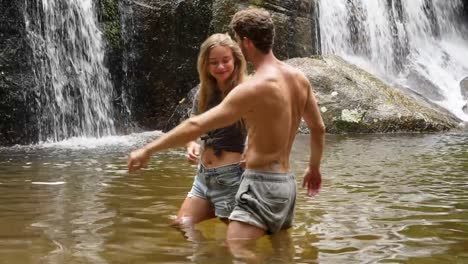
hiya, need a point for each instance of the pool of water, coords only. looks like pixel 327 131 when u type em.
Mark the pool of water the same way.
pixel 385 199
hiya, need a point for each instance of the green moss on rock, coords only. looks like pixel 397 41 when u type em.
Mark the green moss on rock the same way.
pixel 111 22
pixel 257 3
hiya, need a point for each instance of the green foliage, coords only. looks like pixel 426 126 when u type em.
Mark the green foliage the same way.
pixel 257 3
pixel 111 22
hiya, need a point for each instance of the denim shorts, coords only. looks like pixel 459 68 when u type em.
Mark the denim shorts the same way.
pixel 266 200
pixel 219 186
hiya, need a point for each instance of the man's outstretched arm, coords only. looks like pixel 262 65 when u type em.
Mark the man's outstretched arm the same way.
pixel 313 119
pixel 224 114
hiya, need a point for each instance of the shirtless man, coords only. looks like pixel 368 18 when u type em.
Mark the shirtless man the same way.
pixel 272 103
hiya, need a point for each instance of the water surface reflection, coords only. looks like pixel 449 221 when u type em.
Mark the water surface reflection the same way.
pixel 385 199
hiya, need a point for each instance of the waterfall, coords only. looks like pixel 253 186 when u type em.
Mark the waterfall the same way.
pixel 417 44
pixel 73 87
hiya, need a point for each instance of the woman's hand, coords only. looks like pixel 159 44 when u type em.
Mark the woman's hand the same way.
pixel 193 152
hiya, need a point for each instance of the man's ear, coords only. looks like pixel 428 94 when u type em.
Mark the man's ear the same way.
pixel 247 42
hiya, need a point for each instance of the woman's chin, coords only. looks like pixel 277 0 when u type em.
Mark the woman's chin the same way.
pixel 222 79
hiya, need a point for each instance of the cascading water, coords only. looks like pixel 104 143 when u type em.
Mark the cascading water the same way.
pixel 74 90
pixel 418 44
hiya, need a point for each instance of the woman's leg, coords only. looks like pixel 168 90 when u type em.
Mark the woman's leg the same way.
pixel 192 211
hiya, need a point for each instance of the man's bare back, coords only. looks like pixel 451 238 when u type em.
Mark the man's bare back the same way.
pixel 279 101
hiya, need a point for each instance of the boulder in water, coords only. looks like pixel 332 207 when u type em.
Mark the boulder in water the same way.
pixel 356 101
pixel 352 100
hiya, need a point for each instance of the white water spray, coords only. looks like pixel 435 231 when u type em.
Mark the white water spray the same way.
pixel 74 92
pixel 418 44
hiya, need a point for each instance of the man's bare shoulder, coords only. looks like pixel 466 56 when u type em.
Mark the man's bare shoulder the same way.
pixel 299 75
pixel 293 72
pixel 243 91
pixel 258 82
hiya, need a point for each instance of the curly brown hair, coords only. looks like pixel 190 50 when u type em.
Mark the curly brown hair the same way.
pixel 257 25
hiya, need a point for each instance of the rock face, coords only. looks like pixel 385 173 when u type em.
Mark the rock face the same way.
pixel 183 109
pixel 116 57
pixel 152 52
pixel 352 100
pixel 165 42
pixel 152 47
pixel 17 102
pixel 296 24
pixel 296 35
pixel 163 39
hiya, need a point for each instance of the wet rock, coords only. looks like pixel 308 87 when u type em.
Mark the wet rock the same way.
pixel 152 48
pixel 297 33
pixel 162 40
pixel 422 86
pixel 171 33
pixel 183 109
pixel 352 100
pixel 17 98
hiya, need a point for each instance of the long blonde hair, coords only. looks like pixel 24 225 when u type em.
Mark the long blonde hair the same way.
pixel 207 81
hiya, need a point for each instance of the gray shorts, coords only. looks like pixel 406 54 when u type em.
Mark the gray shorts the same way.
pixel 266 200
pixel 219 186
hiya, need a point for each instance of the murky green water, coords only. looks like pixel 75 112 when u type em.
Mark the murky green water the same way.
pixel 385 199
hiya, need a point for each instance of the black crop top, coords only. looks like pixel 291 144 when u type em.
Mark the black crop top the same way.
pixel 230 138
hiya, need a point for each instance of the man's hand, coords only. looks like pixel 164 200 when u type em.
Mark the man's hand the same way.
pixel 138 159
pixel 312 181
pixel 193 150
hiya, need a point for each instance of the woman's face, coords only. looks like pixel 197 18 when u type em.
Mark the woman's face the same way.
pixel 221 63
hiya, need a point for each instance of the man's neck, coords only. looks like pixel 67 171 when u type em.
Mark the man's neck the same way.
pixel 259 59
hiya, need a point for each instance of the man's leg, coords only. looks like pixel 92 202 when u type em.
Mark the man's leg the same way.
pixel 241 238
pixel 283 248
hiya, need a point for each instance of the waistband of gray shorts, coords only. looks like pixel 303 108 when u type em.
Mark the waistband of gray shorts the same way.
pixel 268 176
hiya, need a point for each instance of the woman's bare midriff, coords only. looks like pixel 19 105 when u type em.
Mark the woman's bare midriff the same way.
pixel 210 160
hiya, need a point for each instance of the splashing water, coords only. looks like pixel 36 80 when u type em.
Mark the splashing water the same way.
pixel 418 44
pixel 73 88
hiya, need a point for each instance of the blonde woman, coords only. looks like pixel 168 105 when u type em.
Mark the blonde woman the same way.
pixel 221 67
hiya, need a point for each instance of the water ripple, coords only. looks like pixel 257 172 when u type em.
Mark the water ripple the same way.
pixel 404 200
